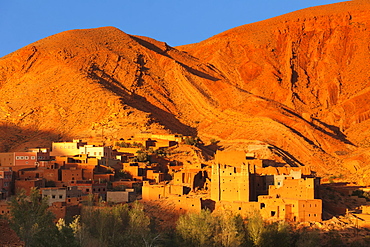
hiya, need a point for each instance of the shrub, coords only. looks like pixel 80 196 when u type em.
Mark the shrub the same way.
pixel 192 141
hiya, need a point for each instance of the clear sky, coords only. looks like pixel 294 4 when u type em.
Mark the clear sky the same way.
pixel 176 22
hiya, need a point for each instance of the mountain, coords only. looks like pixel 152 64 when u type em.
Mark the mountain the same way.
pixel 298 82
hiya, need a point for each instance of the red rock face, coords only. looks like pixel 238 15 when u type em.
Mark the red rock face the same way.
pixel 299 82
pixel 311 60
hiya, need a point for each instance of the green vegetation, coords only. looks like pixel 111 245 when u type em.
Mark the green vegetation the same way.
pixel 361 194
pixel 33 222
pixel 129 225
pixel 129 145
pixel 119 225
pixel 331 178
pixel 307 238
pixel 196 229
pixel 194 141
pixel 163 152
pixel 142 156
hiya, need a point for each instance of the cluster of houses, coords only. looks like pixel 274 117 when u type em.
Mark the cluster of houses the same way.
pixel 240 183
pixel 71 173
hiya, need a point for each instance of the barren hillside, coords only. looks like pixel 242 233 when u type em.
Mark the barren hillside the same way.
pixel 299 82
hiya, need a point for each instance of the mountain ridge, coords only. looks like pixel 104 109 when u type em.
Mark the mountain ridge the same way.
pixel 238 85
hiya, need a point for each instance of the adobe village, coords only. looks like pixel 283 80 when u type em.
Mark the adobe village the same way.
pixel 236 181
pixel 142 168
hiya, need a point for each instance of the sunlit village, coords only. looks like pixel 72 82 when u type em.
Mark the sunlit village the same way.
pixel 71 173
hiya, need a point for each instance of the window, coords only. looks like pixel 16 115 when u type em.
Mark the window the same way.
pixel 60 197
pixel 87 190
pixel 33 157
pixel 273 213
pixel 240 208
pixel 26 157
pixel 53 196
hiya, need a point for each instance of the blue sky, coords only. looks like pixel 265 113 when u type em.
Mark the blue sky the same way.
pixel 176 22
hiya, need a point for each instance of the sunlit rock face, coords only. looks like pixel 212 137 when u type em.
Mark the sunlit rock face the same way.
pixel 298 82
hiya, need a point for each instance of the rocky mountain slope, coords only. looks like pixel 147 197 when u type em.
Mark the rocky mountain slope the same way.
pixel 299 82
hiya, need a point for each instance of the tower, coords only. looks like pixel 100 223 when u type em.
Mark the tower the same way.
pixel 215 183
